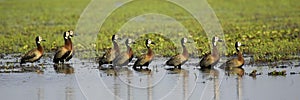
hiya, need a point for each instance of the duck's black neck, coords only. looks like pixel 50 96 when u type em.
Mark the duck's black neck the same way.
pixel 128 47
pixel 147 45
pixel 130 52
pixel 116 46
pixel 240 56
pixel 237 49
pixel 71 44
pixel 150 52
pixel 68 44
pixel 66 41
pixel 184 50
pixel 215 50
pixel 39 47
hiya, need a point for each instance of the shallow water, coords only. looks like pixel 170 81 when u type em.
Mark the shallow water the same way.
pixel 83 79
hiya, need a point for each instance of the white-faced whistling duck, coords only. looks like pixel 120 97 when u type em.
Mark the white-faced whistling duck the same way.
pixel 65 51
pixel 125 57
pixel 71 34
pixel 211 59
pixel 34 54
pixel 111 54
pixel 235 62
pixel 179 59
pixel 145 59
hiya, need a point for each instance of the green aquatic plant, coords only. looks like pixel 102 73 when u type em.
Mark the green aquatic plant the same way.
pixel 277 73
pixel 270 30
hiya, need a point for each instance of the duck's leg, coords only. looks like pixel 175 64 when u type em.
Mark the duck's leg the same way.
pixel 179 66
pixel 64 61
pixel 111 66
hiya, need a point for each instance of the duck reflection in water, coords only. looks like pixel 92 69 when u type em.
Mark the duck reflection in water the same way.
pixel 235 71
pixel 240 72
pixel 209 72
pixel 211 77
pixel 63 68
pixel 116 71
pixel 175 70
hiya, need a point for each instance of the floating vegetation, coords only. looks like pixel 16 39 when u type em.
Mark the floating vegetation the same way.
pixel 254 73
pixel 293 73
pixel 277 73
pixel 282 66
pixel 297 66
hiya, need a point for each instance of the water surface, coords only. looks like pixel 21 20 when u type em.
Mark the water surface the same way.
pixel 83 79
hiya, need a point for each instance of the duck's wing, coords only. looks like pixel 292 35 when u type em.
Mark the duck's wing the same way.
pixel 58 53
pixel 229 63
pixel 61 54
pixel 140 61
pixel 121 59
pixel 206 60
pixel 108 56
pixel 29 55
pixel 70 55
pixel 175 60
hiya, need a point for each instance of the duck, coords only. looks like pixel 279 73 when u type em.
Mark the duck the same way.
pixel 179 59
pixel 125 57
pixel 211 59
pixel 34 54
pixel 65 51
pixel 235 62
pixel 71 34
pixel 145 59
pixel 112 53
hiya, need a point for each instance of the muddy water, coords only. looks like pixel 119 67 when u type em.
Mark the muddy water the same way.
pixel 83 79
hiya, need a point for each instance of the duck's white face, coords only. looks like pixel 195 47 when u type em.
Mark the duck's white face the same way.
pixel 129 41
pixel 149 41
pixel 115 37
pixel 184 40
pixel 71 33
pixel 39 39
pixel 215 40
pixel 239 44
pixel 67 34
